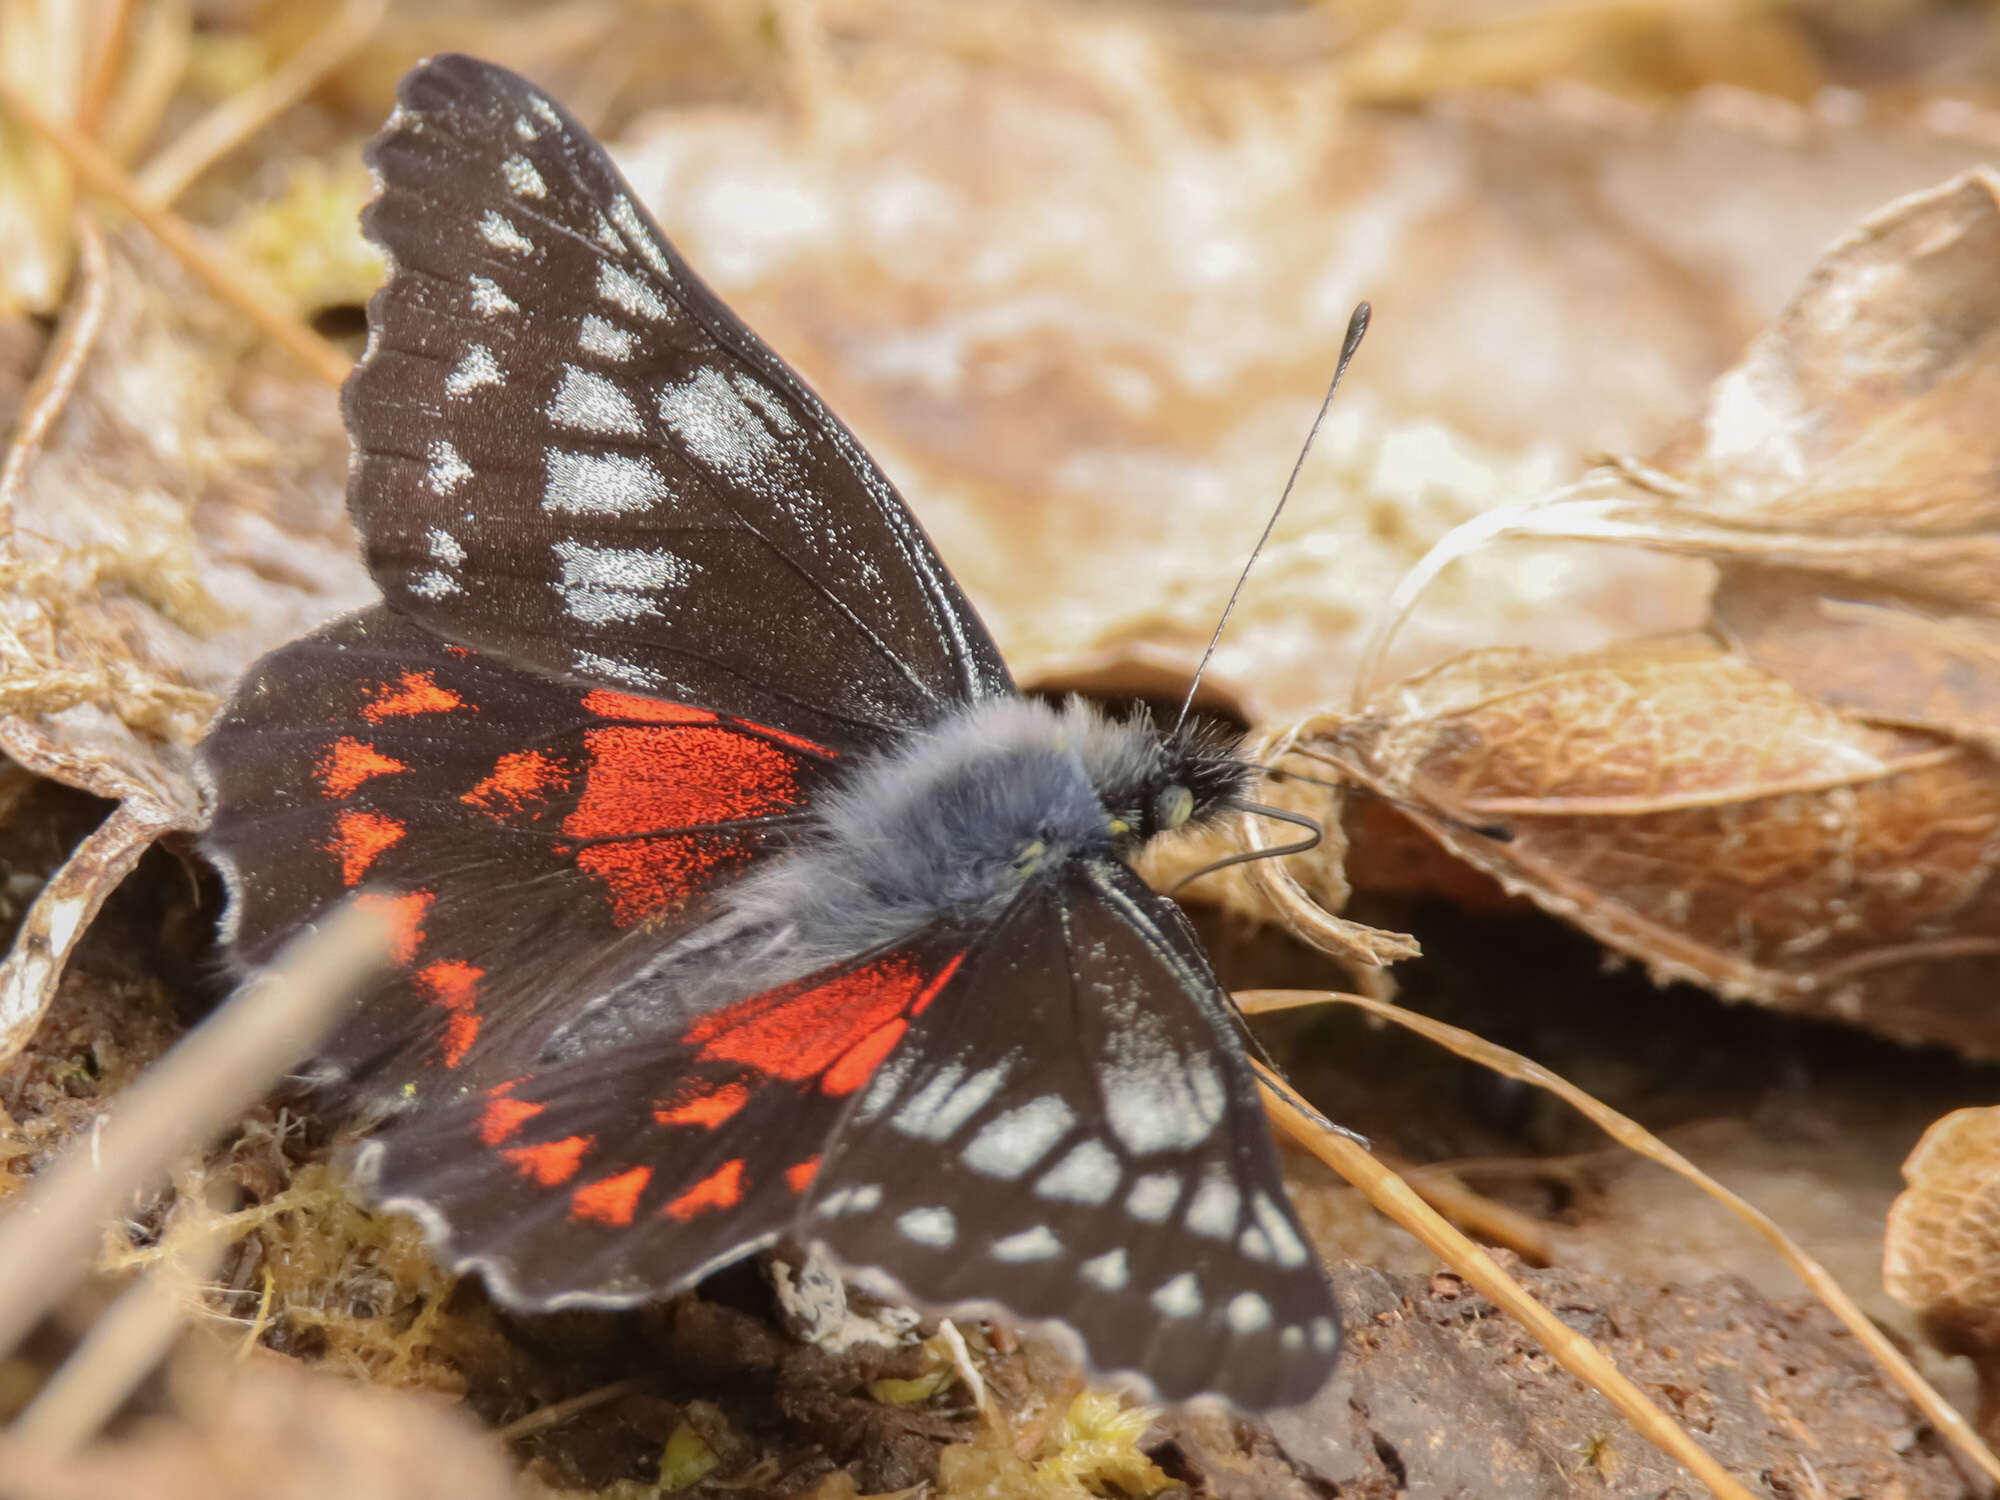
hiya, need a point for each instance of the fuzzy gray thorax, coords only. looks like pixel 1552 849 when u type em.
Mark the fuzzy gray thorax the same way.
pixel 950 824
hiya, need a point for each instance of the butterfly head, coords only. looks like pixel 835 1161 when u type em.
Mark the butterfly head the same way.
pixel 1153 783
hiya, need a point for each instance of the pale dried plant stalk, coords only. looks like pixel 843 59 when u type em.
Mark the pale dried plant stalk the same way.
pixel 1629 1133
pixel 215 1073
pixel 226 278
pixel 1575 1353
pixel 176 166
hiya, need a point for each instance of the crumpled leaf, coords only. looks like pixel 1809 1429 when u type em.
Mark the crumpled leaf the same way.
pixel 1798 806
pixel 1941 1245
pixel 180 516
pixel 1687 807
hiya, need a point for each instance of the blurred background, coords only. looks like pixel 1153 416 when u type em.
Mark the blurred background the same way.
pixel 1076 272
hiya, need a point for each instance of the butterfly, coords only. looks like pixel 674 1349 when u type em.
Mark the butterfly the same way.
pixel 738 893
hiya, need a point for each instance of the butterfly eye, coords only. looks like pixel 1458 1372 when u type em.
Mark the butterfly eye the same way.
pixel 1172 806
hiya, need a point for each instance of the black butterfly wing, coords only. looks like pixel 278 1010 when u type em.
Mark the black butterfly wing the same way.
pixel 1051 1116
pixel 536 840
pixel 1073 1132
pixel 631 1172
pixel 568 452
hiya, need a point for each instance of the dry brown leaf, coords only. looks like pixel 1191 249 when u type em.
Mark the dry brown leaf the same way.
pixel 1941 1251
pixel 179 513
pixel 1701 814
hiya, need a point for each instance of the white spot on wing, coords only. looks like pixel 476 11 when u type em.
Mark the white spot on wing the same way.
pixel 621 288
pixel 1089 1174
pixel 929 1226
pixel 444 546
pixel 609 484
pixel 447 471
pixel 545 110
pixel 769 407
pixel 1286 1247
pixel 1180 1297
pixel 524 129
pixel 1248 1313
pixel 1038 1243
pixel 943 1104
pixel 1158 1099
pixel 609 237
pixel 498 231
pixel 718 426
pixel 633 227
pixel 602 585
pixel 590 402
pixel 1322 1333
pixel 1213 1211
pixel 523 181
pixel 1152 1197
pixel 489 301
pixel 477 368
pixel 591 664
pixel 1107 1271
pixel 851 1200
pixel 885 1085
pixel 1254 1243
pixel 604 339
pixel 434 584
pixel 1011 1143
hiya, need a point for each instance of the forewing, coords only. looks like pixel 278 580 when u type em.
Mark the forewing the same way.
pixel 535 840
pixel 1072 1132
pixel 631 1172
pixel 569 452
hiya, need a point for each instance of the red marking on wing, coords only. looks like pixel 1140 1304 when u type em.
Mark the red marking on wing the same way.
pixel 517 778
pixel 722 1188
pixel 348 762
pixel 646 779
pixel 611 1200
pixel 801 1029
pixel 359 839
pixel 552 1163
pixel 861 1060
pixel 922 1003
pixel 609 705
pixel 454 984
pixel 799 1177
pixel 702 1105
pixel 644 877
pixel 503 1116
pixel 412 693
pixel 406 920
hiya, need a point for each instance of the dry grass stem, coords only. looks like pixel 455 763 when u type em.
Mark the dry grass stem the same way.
pixel 121 1347
pixel 1572 1351
pixel 1630 1134
pixel 176 166
pixel 1495 1223
pixel 216 1072
pixel 62 912
pixel 558 1412
pixel 228 279
pixel 61 369
pixel 108 50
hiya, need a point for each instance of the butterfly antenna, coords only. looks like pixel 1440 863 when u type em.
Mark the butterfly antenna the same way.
pixel 1357 325
pixel 1499 833
pixel 1314 834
